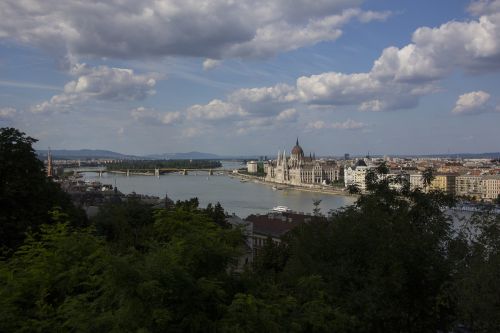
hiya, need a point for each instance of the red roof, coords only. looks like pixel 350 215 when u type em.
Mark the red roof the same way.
pixel 276 224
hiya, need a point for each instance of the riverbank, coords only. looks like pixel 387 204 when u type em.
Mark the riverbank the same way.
pixel 306 188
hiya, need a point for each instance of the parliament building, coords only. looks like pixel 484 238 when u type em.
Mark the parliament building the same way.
pixel 300 170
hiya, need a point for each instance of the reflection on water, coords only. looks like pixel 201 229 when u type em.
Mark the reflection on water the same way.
pixel 236 197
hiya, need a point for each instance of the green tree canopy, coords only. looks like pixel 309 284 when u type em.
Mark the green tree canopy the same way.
pixel 26 194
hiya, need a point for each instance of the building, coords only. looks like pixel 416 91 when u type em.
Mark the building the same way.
pixel 356 174
pixel 491 187
pixel 274 225
pixel 252 167
pixel 246 248
pixel 397 179
pixel 300 170
pixel 416 181
pixel 444 182
pixel 469 185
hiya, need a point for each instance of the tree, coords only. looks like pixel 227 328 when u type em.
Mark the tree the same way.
pixel 428 176
pixel 382 265
pixel 126 224
pixel 477 284
pixel 317 208
pixel 353 189
pixel 69 279
pixel 217 214
pixel 26 194
pixel 48 275
pixel 382 168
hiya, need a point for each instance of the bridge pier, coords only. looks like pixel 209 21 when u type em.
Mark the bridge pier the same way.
pixel 184 172
pixel 128 172
pixel 157 173
pixel 210 172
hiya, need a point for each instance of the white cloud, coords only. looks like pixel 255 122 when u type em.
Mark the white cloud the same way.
pixel 171 117
pixel 210 64
pixel 475 102
pixel 215 110
pixel 7 113
pixel 100 83
pixel 285 118
pixel 143 28
pixel 265 100
pixel 401 75
pixel 153 117
pixel 482 7
pixel 349 124
pixel 435 52
pixel 337 88
pixel 373 16
pixel 287 115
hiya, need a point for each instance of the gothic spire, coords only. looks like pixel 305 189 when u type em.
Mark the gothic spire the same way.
pixel 49 163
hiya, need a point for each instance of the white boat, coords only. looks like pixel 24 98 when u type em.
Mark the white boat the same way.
pixel 282 209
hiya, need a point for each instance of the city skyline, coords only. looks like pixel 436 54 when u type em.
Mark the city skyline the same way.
pixel 346 76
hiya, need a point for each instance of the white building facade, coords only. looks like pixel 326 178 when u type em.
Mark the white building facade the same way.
pixel 300 170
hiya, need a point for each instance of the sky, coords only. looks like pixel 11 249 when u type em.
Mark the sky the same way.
pixel 248 77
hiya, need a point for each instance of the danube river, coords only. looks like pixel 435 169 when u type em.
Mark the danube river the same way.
pixel 241 198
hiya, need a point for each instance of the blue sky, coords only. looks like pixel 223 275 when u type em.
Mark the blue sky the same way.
pixel 248 77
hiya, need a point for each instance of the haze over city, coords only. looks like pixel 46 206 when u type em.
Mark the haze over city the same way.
pixel 248 77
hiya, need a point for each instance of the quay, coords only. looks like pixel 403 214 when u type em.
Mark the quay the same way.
pixel 306 188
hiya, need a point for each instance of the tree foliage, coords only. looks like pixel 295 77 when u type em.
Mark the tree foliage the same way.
pixel 65 279
pixel 26 194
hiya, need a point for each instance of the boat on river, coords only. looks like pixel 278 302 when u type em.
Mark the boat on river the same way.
pixel 281 209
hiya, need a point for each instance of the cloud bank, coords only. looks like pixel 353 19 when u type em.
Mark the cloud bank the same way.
pixel 99 84
pixel 398 78
pixel 146 28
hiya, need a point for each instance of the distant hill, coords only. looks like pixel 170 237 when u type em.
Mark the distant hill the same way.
pixel 84 154
pixel 98 153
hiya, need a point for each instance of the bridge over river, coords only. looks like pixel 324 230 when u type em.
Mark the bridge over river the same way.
pixel 148 172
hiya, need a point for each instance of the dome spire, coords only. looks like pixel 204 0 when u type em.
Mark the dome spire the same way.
pixel 297 143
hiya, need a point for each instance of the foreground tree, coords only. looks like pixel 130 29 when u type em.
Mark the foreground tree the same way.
pixel 26 194
pixel 386 264
pixel 66 279
pixel 477 283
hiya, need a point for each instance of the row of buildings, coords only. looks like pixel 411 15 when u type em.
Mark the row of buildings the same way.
pixel 478 179
pixel 474 186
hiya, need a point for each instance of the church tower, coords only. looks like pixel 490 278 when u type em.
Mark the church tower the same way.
pixel 49 164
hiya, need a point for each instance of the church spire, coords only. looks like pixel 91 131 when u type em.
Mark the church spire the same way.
pixel 49 163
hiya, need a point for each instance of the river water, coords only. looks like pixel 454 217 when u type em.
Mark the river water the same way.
pixel 241 198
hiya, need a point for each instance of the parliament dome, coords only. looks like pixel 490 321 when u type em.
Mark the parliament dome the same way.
pixel 297 149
